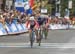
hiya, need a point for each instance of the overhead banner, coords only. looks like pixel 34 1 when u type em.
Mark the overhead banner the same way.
pixel 19 5
pixel 43 10
pixel 19 1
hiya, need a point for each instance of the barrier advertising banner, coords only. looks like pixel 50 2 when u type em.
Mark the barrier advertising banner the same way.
pixel 2 30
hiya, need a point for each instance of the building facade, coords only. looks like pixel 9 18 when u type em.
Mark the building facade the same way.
pixel 6 4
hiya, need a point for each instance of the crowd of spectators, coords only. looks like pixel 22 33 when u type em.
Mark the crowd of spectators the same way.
pixel 9 16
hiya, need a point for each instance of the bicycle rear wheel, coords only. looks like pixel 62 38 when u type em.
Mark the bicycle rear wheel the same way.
pixel 45 32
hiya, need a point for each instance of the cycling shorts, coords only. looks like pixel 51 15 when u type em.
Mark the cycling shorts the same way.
pixel 32 24
pixel 42 21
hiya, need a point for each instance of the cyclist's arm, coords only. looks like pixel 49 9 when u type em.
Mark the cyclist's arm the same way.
pixel 36 24
pixel 27 23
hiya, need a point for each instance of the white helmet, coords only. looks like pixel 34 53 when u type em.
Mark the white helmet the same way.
pixel 31 18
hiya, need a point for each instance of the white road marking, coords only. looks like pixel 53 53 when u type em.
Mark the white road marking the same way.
pixel 43 45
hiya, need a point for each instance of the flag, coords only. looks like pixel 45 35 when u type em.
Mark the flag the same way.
pixel 31 2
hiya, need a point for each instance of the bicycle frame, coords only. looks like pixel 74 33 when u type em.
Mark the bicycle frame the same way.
pixel 40 35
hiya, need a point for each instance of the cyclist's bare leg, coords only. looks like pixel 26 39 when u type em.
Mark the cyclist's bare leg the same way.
pixel 37 34
pixel 45 29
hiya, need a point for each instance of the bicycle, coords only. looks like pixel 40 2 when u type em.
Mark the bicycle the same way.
pixel 40 32
pixel 32 38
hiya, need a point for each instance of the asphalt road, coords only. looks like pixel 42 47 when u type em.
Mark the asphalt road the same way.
pixel 58 42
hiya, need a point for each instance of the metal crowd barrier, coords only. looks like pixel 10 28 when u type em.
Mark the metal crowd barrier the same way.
pixel 12 29
pixel 61 26
pixel 15 28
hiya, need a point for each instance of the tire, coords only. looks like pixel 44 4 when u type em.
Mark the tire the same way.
pixel 31 44
pixel 45 33
pixel 32 39
pixel 40 38
pixel 39 42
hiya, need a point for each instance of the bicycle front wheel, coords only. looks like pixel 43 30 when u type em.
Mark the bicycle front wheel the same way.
pixel 32 38
pixel 40 37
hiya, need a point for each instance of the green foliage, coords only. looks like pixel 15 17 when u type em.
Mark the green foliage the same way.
pixel 49 8
pixel 64 5
pixel 73 9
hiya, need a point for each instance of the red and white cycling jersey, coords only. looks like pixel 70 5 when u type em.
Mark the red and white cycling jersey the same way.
pixel 28 23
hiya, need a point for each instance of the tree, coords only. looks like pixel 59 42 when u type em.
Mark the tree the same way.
pixel 73 9
pixel 64 5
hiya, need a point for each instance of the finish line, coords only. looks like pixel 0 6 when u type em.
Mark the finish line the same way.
pixel 43 45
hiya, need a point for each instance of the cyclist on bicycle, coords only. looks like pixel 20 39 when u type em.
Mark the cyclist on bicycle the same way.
pixel 43 21
pixel 32 24
pixel 46 21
